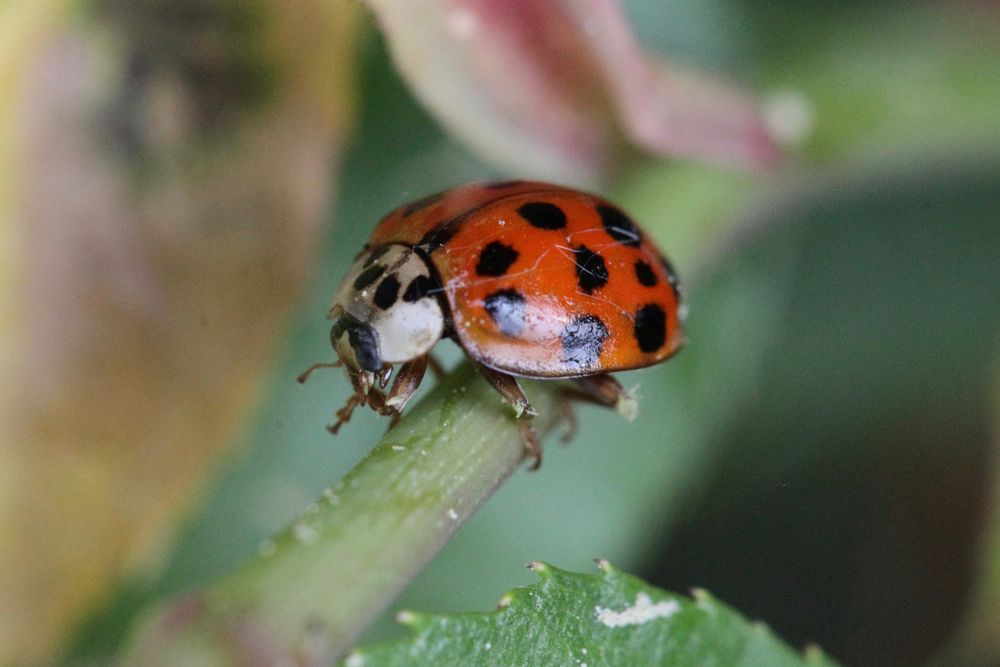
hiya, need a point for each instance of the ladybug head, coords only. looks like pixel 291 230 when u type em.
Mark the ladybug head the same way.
pixel 385 312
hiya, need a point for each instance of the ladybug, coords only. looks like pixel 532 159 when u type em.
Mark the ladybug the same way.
pixel 529 279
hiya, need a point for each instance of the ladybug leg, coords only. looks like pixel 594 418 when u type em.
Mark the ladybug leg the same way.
pixel 564 401
pixel 309 371
pixel 344 414
pixel 607 391
pixel 511 391
pixel 408 378
pixel 603 390
pixel 530 439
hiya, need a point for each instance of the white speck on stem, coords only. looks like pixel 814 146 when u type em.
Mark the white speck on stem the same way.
pixel 355 659
pixel 488 646
pixel 452 514
pixel 641 612
pixel 398 448
pixel 305 533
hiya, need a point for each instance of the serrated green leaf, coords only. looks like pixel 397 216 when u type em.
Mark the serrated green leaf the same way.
pixel 610 618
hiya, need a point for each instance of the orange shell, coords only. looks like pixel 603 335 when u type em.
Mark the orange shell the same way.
pixel 572 295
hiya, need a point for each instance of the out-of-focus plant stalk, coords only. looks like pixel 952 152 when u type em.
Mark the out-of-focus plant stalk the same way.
pixel 310 592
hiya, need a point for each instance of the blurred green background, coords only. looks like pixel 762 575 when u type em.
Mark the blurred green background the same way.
pixel 821 455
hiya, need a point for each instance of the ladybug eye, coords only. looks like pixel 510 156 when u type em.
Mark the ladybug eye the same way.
pixel 365 345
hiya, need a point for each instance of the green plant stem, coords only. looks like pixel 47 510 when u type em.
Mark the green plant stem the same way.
pixel 314 588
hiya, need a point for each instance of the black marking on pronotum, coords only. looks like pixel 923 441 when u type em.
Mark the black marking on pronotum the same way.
pixel 422 203
pixel 619 226
pixel 582 340
pixel 435 290
pixel 368 276
pixel 364 342
pixel 418 288
pixel 645 274
pixel 650 327
pixel 495 259
pixel 376 254
pixel 506 307
pixel 591 272
pixel 387 291
pixel 543 215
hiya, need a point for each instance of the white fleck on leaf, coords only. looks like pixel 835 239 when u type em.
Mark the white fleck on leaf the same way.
pixel 641 612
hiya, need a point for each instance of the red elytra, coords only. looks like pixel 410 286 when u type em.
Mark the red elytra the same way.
pixel 521 262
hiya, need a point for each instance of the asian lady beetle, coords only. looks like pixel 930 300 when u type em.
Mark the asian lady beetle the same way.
pixel 530 279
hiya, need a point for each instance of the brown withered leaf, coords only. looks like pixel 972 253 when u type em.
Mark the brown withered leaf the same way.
pixel 173 165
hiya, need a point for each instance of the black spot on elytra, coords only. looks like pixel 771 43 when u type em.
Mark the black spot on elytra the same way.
pixel 619 226
pixel 645 274
pixel 506 307
pixel 387 291
pixel 650 327
pixel 372 258
pixel 543 215
pixel 418 288
pixel 421 203
pixel 495 259
pixel 591 272
pixel 368 276
pixel 582 340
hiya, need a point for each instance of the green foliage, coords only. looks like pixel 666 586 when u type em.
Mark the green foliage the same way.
pixel 580 619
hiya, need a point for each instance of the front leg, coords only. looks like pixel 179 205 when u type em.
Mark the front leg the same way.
pixel 405 384
pixel 510 389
